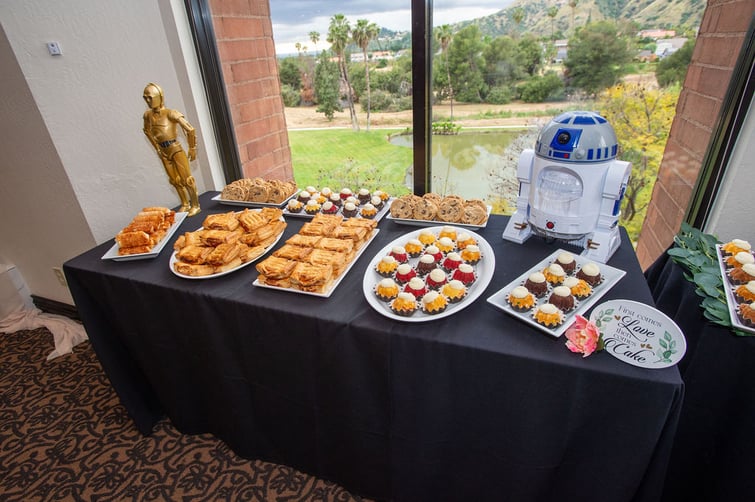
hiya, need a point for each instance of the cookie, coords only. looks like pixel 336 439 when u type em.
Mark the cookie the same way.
pixel 474 214
pixel 403 207
pixel 425 209
pixel 258 193
pixel 451 209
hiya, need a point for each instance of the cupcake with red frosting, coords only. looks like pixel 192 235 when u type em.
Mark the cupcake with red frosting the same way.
pixel 432 249
pixel 416 286
pixel 465 274
pixel 399 252
pixel 436 279
pixel 451 262
pixel 405 273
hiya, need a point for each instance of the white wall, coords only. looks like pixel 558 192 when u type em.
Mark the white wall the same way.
pixel 732 213
pixel 75 165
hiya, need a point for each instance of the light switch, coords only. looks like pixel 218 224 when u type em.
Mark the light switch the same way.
pixel 54 49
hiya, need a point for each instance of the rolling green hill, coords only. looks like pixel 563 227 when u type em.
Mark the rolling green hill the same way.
pixel 681 15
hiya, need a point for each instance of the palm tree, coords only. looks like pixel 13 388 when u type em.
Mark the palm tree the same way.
pixel 314 36
pixel 573 5
pixel 338 36
pixel 444 35
pixel 552 13
pixel 363 34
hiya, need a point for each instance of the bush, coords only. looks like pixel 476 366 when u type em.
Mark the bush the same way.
pixel 500 95
pixel 538 89
pixel 291 96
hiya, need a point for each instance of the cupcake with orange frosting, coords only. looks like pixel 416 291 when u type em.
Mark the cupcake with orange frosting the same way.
pixel 743 274
pixel 433 302
pixel 413 247
pixel 426 237
pixel 386 266
pixel 294 206
pixel 445 245
pixel 368 211
pixel 746 312
pixel 454 290
pixel 736 246
pixel 312 206
pixel 447 231
pixel 464 239
pixel 578 287
pixel 739 260
pixel 548 315
pixel 405 304
pixel 746 292
pixel 554 274
pixel 387 289
pixel 521 299
pixel 471 254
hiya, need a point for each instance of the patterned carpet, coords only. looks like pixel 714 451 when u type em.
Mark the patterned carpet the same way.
pixel 65 436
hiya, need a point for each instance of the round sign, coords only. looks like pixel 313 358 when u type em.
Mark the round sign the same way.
pixel 639 334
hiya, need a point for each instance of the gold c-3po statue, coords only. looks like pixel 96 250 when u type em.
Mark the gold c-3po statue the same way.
pixel 160 128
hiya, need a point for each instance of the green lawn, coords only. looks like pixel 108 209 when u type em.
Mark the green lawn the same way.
pixel 346 158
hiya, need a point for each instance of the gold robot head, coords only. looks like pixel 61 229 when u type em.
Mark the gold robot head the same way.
pixel 153 95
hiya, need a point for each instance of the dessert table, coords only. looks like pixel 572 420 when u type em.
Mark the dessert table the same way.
pixel 474 406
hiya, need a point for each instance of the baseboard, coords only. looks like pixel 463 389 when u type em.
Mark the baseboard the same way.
pixel 55 307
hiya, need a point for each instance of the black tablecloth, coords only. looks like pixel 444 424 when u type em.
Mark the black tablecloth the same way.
pixel 475 406
pixel 712 457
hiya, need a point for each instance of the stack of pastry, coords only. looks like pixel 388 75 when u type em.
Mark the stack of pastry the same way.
pixel 313 259
pixel 145 231
pixel 227 240
pixel 434 207
pixel 259 190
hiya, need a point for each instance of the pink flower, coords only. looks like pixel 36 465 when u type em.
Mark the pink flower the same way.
pixel 583 336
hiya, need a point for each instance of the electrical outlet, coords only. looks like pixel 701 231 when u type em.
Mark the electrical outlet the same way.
pixel 54 49
pixel 61 276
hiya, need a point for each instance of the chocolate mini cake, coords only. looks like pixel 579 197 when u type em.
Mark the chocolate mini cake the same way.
pixel 536 284
pixel 562 298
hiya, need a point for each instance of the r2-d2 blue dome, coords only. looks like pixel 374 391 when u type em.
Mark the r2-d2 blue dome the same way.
pixel 571 185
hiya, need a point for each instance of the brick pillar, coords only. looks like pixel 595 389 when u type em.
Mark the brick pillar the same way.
pixel 722 32
pixel 244 34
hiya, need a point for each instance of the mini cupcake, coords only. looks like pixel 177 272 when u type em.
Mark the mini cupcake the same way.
pixel 329 208
pixel 743 274
pixel 434 303
pixel 349 210
pixel 405 273
pixel 562 298
pixel 436 279
pixel 471 254
pixel 345 193
pixel 382 194
pixel 377 202
pixel 739 260
pixel 368 211
pixel 465 273
pixel 590 272
pixel 746 292
pixel 521 299
pixel 352 200
pixel 294 206
pixel 363 195
pixel 426 264
pixel 387 289
pixel 464 239
pixel 445 245
pixel 312 207
pixel 416 286
pixel 312 190
pixel 578 287
pixel 454 290
pixel 548 315
pixel 326 192
pixel 335 199
pixel 447 231
pixel 319 197
pixel 386 266
pixel 536 284
pixel 426 237
pixel 554 274
pixel 435 251
pixel 405 304
pixel 414 247
pixel 451 262
pixel 735 246
pixel 304 196
pixel 399 252
pixel 567 262
pixel 746 312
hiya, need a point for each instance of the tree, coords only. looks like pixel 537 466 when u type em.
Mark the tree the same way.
pixel 502 64
pixel 465 63
pixel 289 73
pixel 338 36
pixel 518 14
pixel 529 54
pixel 672 69
pixel 314 36
pixel 362 34
pixel 641 118
pixel 552 13
pixel 573 5
pixel 327 86
pixel 596 57
pixel 444 35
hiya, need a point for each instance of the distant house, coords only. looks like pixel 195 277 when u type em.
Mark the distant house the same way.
pixel 668 46
pixel 646 56
pixel 562 47
pixel 656 34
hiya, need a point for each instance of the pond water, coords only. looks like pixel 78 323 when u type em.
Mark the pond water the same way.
pixel 462 164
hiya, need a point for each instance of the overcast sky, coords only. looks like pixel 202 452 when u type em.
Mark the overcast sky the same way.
pixel 293 20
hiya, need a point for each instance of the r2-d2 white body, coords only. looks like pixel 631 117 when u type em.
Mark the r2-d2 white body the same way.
pixel 571 186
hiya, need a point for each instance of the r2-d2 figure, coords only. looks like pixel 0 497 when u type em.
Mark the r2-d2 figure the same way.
pixel 571 186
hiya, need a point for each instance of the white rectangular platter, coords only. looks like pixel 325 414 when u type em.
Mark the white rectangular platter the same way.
pixel 335 284
pixel 730 298
pixel 379 216
pixel 610 275
pixel 112 253
pixel 428 223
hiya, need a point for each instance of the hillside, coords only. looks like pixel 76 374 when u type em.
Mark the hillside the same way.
pixel 648 14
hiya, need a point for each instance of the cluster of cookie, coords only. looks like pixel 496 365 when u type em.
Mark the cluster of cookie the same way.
pixel 258 190
pixel 434 207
